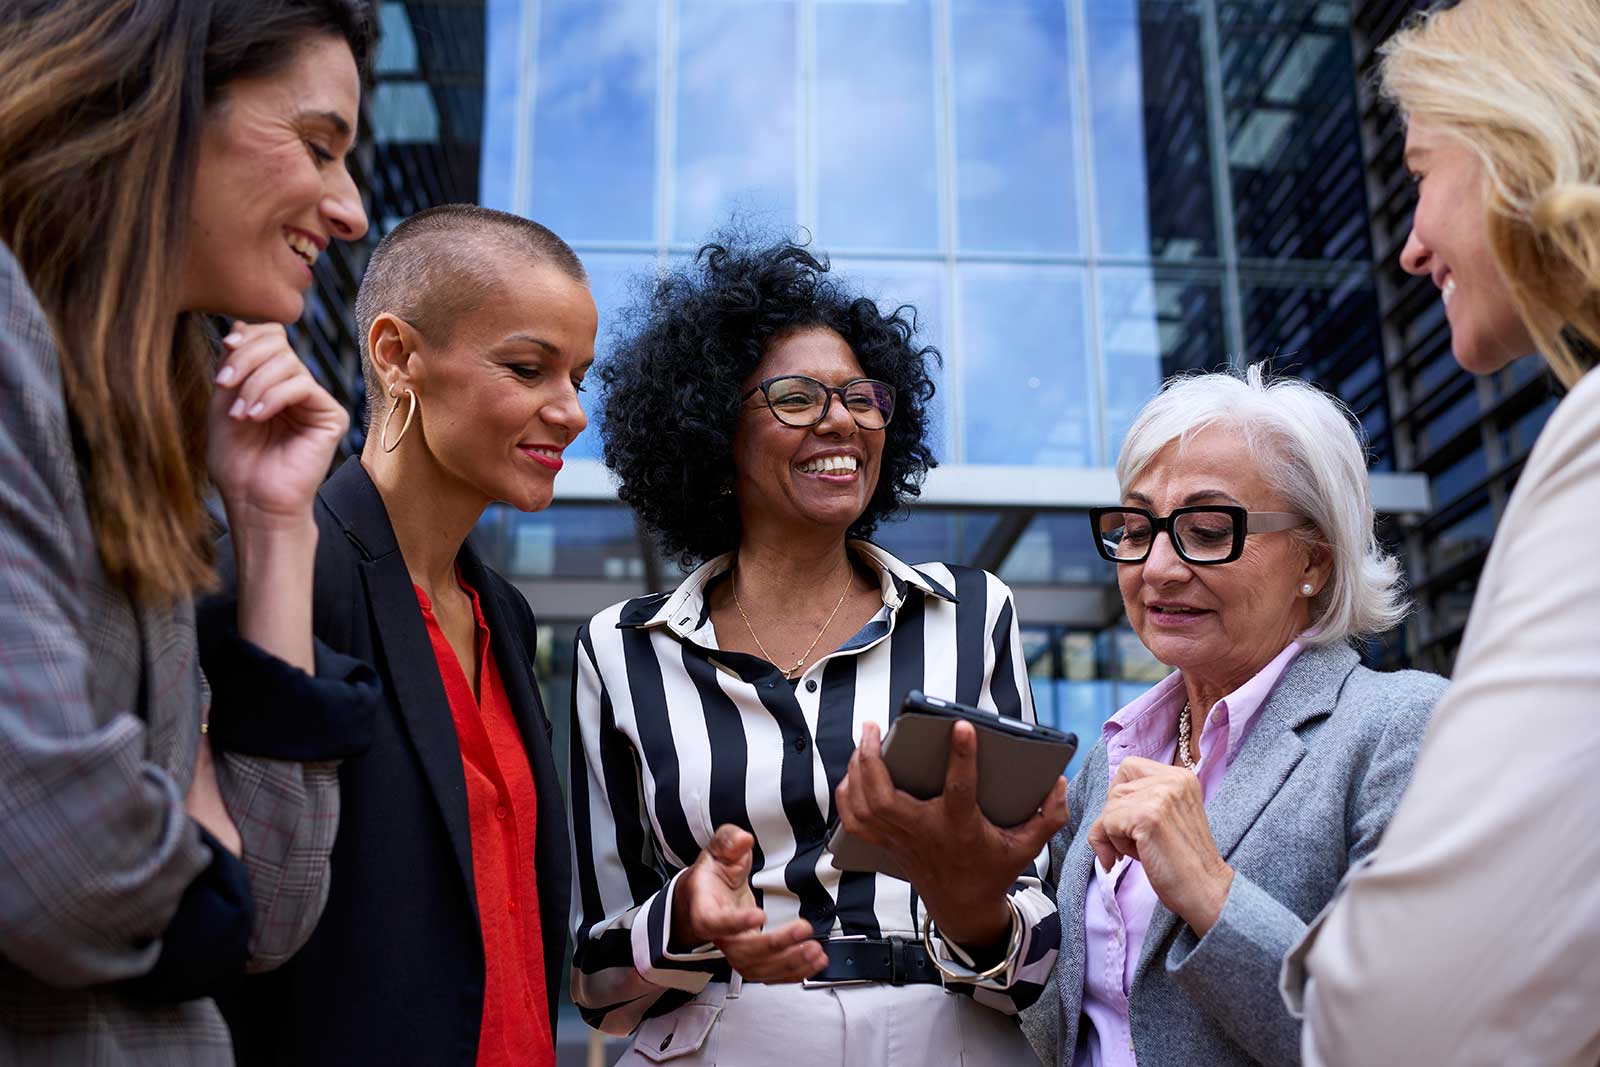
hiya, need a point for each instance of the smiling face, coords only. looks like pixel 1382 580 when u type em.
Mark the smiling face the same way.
pixel 1219 624
pixel 1449 242
pixel 499 397
pixel 805 478
pixel 271 186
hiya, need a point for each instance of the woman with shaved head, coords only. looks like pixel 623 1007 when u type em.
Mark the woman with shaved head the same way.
pixel 443 937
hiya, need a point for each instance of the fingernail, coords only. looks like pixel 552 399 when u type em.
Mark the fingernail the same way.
pixel 233 338
pixel 226 375
pixel 258 408
pixel 237 409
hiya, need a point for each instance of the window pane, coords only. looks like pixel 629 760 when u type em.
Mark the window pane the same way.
pixel 564 540
pixel 877 171
pixel 1055 550
pixel 594 145
pixel 618 281
pixel 737 119
pixel 502 82
pixel 1016 176
pixel 1153 327
pixel 927 536
pixel 1294 142
pixel 1152 154
pixel 891 284
pixel 1025 383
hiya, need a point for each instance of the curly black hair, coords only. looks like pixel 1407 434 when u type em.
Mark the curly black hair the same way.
pixel 671 387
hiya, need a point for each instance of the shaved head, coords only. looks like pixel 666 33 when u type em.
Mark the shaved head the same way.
pixel 442 264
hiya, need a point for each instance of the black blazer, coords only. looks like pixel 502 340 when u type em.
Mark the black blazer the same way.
pixel 394 973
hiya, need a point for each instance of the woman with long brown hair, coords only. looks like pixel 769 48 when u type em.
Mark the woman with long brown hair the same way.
pixel 160 161
pixel 1471 935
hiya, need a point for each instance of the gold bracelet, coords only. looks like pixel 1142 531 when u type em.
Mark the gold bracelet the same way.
pixel 1012 944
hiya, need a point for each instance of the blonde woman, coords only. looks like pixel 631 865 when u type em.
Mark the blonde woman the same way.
pixel 1471 936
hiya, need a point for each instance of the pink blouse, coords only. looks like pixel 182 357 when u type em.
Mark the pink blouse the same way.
pixel 1120 901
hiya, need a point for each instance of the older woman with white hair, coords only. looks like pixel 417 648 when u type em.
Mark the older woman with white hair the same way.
pixel 1218 812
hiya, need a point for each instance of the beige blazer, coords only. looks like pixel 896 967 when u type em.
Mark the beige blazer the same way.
pixel 1472 935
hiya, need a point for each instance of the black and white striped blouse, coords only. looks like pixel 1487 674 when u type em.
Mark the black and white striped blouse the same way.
pixel 673 737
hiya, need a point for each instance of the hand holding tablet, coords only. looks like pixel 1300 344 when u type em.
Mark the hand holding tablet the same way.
pixel 1017 766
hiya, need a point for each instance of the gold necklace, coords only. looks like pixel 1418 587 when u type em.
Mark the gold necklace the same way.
pixel 789 674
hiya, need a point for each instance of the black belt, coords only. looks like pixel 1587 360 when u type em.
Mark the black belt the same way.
pixel 892 961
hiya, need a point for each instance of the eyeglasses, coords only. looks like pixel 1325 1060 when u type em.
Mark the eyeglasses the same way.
pixel 796 400
pixel 1204 535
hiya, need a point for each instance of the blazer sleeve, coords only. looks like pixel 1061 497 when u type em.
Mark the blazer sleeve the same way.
pixel 1471 936
pixel 1233 970
pixel 622 972
pixel 279 734
pixel 1032 896
pixel 95 849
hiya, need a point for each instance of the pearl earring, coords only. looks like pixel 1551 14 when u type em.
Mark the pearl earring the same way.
pixel 1306 590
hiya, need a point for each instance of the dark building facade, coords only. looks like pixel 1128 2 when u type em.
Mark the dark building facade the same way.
pixel 421 127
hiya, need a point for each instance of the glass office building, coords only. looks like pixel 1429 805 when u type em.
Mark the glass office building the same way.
pixel 1080 197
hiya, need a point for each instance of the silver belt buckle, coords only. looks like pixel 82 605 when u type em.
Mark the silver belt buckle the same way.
pixel 832 983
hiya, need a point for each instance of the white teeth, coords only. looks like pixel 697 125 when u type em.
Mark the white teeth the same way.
pixel 1448 291
pixel 303 247
pixel 830 465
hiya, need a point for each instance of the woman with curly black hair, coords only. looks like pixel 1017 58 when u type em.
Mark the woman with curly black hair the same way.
pixel 762 421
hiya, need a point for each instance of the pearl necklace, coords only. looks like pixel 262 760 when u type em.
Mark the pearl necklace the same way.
pixel 1183 739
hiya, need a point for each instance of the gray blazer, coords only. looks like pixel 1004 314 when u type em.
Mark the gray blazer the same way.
pixel 1308 795
pixel 95 849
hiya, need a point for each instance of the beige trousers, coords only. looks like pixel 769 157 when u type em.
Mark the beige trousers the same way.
pixel 737 1025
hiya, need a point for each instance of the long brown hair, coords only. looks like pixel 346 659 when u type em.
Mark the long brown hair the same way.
pixel 101 110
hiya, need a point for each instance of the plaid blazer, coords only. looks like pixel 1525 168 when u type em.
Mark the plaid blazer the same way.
pixel 95 849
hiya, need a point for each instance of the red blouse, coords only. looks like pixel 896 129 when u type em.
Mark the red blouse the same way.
pixel 503 809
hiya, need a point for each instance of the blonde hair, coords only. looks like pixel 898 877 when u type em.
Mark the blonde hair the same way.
pixel 1309 448
pixel 1519 82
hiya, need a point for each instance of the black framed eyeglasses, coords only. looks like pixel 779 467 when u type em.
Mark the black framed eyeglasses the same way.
pixel 796 400
pixel 1204 535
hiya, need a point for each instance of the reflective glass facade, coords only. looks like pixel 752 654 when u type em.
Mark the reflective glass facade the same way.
pixel 1080 197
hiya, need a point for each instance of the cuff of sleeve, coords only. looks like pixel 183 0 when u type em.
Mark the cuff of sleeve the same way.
pixel 962 967
pixel 1252 930
pixel 266 708
pixel 206 945
pixel 652 933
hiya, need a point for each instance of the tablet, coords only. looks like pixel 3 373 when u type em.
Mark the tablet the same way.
pixel 1018 764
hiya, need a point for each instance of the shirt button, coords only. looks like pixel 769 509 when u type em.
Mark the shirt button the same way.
pixel 811 685
pixel 511 906
pixel 800 744
pixel 500 812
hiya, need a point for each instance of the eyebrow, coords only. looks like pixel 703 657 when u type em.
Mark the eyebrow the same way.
pixel 528 339
pixel 1198 497
pixel 332 118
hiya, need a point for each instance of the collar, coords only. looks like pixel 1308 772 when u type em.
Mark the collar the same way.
pixel 684 611
pixel 1151 720
pixel 355 503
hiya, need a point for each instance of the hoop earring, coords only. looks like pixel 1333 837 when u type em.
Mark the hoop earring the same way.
pixel 411 410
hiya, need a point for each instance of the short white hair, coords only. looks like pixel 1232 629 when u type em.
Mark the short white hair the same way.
pixel 1310 451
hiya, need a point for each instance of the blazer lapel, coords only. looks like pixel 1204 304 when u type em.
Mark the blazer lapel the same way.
pixel 1307 691
pixel 1077 871
pixel 407 654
